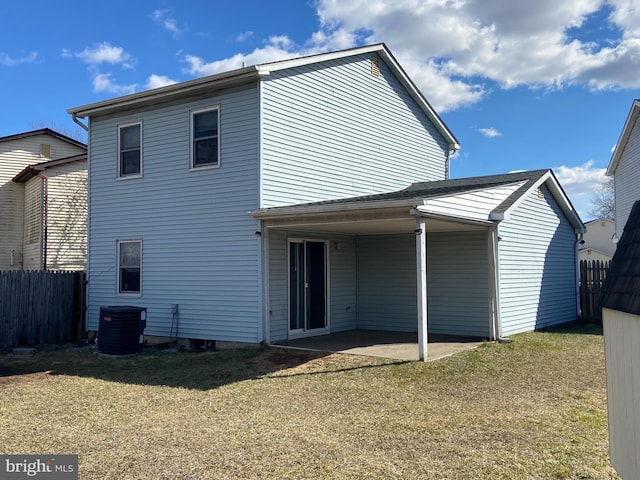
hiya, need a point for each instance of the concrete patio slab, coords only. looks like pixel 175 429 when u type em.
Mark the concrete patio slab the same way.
pixel 376 343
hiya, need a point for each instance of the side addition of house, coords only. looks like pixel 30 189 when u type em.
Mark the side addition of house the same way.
pixel 311 196
pixel 42 201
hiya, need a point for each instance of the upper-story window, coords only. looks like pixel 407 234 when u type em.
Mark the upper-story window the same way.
pixel 205 145
pixel 130 150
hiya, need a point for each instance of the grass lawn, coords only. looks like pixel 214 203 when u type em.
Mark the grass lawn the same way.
pixel 531 409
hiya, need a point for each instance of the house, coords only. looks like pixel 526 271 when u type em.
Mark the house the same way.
pixel 598 240
pixel 624 167
pixel 42 201
pixel 311 196
pixel 621 324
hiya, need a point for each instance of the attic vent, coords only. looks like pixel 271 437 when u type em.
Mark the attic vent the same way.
pixel 375 66
pixel 45 150
pixel 541 192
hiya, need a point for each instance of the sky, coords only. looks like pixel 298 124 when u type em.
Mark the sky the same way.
pixel 522 85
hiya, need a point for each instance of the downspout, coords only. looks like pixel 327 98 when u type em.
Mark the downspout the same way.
pixel 74 117
pixel 579 241
pixel 45 217
pixel 495 264
pixel 447 164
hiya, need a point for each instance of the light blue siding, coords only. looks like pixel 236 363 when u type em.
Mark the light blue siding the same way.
pixel 341 281
pixel 627 179
pixel 335 130
pixel 537 266
pixel 457 283
pixel 199 249
pixel 387 283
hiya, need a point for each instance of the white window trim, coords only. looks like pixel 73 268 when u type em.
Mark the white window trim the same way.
pixel 120 176
pixel 193 167
pixel 118 292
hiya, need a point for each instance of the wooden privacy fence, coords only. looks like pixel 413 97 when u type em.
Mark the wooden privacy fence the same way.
pixel 592 276
pixel 39 307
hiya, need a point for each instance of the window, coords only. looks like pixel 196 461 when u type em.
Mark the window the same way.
pixel 205 147
pixel 130 267
pixel 130 151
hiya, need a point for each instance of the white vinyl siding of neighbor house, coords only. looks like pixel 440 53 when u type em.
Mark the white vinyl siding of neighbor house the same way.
pixel 33 225
pixel 67 216
pixel 335 130
pixel 537 266
pixel 622 360
pixel 341 271
pixel 457 283
pixel 15 155
pixel 627 179
pixel 200 250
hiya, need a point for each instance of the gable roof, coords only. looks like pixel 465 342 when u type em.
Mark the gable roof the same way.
pixel 420 194
pixel 31 171
pixel 253 73
pixel 43 131
pixel 629 124
pixel 621 289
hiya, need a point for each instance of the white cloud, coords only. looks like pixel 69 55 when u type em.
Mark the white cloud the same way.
pixel 164 19
pixel 580 180
pixel 9 61
pixel 278 48
pixel 490 132
pixel 157 81
pixel 102 53
pixel 244 36
pixel 510 43
pixel 103 82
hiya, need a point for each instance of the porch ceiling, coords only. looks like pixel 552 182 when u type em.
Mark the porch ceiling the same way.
pixel 361 225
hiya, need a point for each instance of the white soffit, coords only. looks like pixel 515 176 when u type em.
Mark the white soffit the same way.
pixel 476 205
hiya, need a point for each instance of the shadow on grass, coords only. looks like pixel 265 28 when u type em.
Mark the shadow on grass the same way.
pixel 581 327
pixel 190 370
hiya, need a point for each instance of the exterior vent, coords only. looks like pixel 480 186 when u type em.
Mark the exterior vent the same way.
pixel 375 66
pixel 45 150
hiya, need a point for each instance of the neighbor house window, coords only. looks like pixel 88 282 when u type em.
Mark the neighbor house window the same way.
pixel 130 267
pixel 205 144
pixel 130 150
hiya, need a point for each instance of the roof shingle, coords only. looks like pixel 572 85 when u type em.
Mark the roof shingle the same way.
pixel 621 290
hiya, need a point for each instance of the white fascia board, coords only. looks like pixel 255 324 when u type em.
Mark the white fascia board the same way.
pixel 624 138
pixel 558 193
pixel 267 68
pixel 279 212
pixel 421 212
pixel 167 93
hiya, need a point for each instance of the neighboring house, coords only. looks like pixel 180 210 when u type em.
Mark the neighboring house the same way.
pixel 310 196
pixel 624 167
pixel 42 201
pixel 598 240
pixel 621 324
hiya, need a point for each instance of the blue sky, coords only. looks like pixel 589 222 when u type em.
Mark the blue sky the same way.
pixel 523 85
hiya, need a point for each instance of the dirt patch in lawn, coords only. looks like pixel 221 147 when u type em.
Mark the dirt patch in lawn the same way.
pixel 10 376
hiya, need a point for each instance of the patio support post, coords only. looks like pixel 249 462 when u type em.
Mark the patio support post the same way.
pixel 421 268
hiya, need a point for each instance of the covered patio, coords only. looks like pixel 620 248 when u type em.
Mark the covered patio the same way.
pixel 384 344
pixel 415 263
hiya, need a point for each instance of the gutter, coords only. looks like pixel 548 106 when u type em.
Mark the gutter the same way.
pixel 579 241
pixel 74 117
